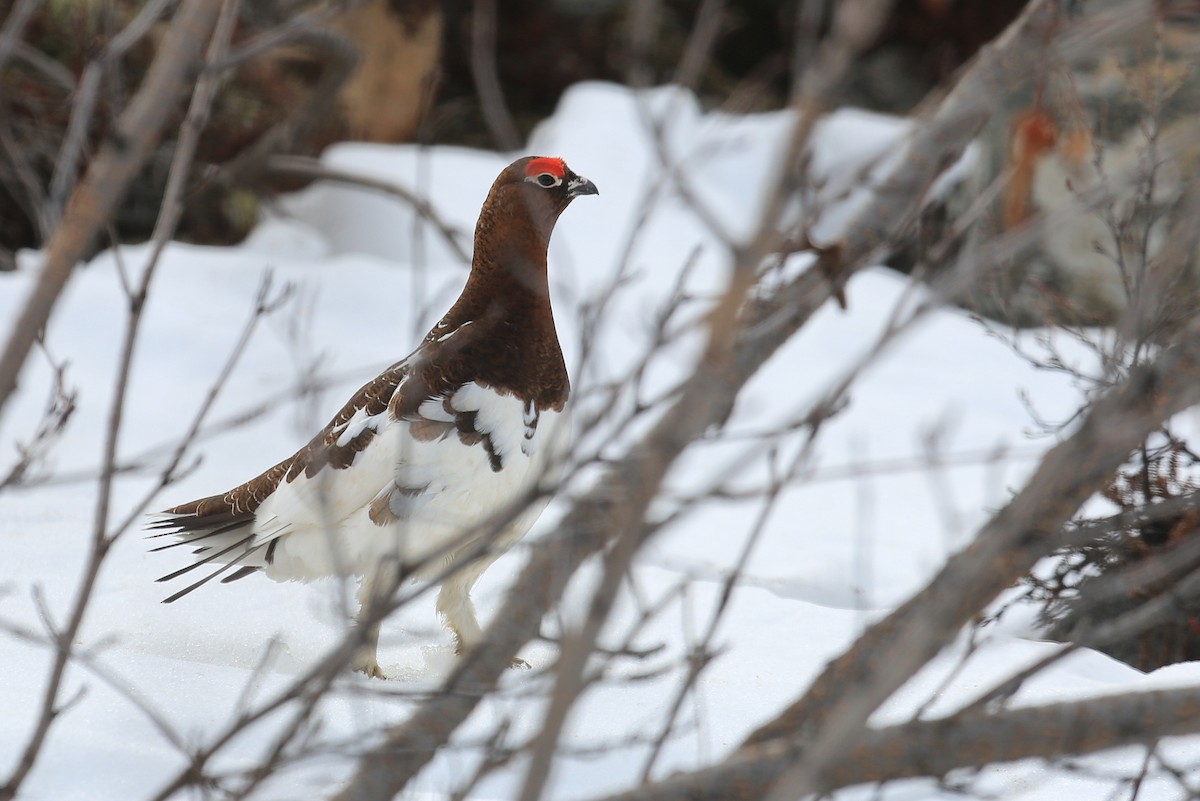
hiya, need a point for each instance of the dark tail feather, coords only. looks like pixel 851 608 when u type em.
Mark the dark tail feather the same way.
pixel 241 574
pixel 239 544
pixel 188 522
pixel 210 576
pixel 194 536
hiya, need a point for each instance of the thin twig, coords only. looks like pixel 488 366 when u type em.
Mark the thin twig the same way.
pixel 572 661
pixel 59 408
pixel 265 303
pixel 485 75
pixel 108 177
pixel 33 198
pixel 936 747
pixel 51 69
pixel 314 168
pixel 70 152
pixel 295 28
pixel 701 654
pixel 14 28
pixel 91 663
pixel 83 107
pixel 341 60
pixel 700 43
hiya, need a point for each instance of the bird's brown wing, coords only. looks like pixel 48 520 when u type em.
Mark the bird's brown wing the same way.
pixel 223 527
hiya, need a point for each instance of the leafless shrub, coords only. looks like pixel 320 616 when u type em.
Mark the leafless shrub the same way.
pixel 1115 449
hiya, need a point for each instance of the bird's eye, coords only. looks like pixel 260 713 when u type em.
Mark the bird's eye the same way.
pixel 547 180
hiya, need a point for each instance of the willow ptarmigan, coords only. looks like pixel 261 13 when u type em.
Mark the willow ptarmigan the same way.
pixel 408 474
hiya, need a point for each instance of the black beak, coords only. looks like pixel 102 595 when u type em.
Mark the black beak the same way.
pixel 578 185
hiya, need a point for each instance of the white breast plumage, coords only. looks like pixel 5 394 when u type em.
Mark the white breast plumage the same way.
pixel 440 486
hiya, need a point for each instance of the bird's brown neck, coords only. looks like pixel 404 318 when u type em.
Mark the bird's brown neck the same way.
pixel 511 339
pixel 509 270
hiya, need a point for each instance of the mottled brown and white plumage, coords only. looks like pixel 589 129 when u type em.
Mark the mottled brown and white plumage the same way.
pixel 409 471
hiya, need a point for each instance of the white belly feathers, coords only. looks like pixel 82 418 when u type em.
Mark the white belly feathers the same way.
pixel 461 461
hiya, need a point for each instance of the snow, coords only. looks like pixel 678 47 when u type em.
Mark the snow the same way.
pixel 935 436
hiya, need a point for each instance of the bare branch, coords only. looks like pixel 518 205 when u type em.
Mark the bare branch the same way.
pixel 46 65
pixel 487 81
pixel 313 168
pixel 59 408
pixel 701 655
pixel 14 26
pixel 700 43
pixel 936 747
pixel 340 62
pixel 66 165
pixel 62 182
pixel 94 201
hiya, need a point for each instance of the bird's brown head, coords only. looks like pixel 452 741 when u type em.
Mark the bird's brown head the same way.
pixel 531 193
pixel 513 235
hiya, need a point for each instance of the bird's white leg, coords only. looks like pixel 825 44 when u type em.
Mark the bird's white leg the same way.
pixel 372 590
pixel 458 611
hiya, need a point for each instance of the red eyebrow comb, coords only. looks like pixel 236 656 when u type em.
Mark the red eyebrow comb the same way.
pixel 554 166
